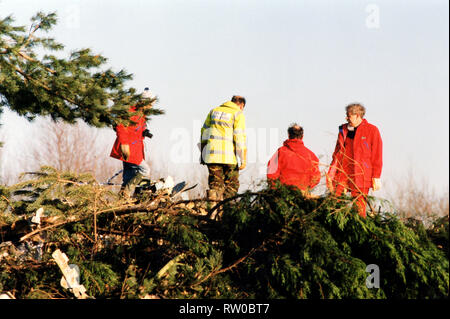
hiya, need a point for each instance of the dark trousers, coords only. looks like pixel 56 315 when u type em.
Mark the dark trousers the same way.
pixel 224 178
pixel 132 174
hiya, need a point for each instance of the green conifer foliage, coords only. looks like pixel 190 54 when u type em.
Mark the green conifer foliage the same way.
pixel 34 80
pixel 274 243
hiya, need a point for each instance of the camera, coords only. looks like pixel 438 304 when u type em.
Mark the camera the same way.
pixel 146 133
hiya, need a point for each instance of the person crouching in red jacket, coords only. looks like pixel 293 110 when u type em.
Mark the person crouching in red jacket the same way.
pixel 129 147
pixel 357 158
pixel 294 164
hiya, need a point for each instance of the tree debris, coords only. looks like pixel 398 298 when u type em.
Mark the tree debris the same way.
pixel 274 243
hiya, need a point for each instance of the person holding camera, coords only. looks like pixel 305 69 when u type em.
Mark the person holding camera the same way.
pixel 129 146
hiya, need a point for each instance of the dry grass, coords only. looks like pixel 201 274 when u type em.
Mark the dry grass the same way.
pixel 415 198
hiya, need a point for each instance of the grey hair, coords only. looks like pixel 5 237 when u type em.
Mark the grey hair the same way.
pixel 356 108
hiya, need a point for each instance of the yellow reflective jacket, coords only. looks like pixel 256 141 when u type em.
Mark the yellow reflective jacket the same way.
pixel 223 134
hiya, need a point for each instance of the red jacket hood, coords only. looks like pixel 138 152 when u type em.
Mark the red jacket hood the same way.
pixel 294 144
pixel 294 164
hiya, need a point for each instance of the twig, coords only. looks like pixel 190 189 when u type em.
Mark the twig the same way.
pixel 30 36
pixel 120 209
pixel 9 202
pixel 229 200
pixel 237 262
pixel 95 218
pixel 117 232
pixel 26 57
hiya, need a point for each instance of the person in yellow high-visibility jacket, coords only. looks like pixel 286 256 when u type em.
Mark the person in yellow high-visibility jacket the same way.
pixel 223 142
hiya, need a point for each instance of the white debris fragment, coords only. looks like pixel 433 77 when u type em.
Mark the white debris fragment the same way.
pixel 169 184
pixel 165 184
pixel 147 296
pixel 71 275
pixel 74 277
pixel 5 249
pixel 7 295
pixel 37 217
pixel 159 185
pixel 184 196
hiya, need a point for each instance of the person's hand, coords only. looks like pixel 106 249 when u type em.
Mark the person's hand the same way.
pixel 243 158
pixel 125 149
pixel 243 165
pixel 376 184
pixel 201 147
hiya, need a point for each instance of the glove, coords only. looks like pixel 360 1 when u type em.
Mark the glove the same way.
pixel 243 157
pixel 125 149
pixel 201 147
pixel 376 184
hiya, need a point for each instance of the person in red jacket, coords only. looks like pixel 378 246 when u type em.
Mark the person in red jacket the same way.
pixel 293 163
pixel 129 147
pixel 357 158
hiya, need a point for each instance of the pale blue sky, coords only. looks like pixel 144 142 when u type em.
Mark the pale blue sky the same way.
pixel 294 61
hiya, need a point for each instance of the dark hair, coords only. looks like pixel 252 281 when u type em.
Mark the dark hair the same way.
pixel 295 131
pixel 238 99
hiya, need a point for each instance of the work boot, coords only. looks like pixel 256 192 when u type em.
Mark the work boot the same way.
pixel 125 195
pixel 214 195
pixel 128 190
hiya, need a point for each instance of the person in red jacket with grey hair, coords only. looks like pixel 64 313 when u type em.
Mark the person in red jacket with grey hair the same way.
pixel 357 158
pixel 293 163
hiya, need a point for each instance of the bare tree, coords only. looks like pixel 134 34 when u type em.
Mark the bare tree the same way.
pixel 6 176
pixel 77 148
pixel 2 136
pixel 413 198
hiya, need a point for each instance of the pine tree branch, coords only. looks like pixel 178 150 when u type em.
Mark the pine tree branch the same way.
pixel 229 200
pixel 120 210
pixel 28 58
pixel 44 86
pixel 31 35
pixel 237 262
